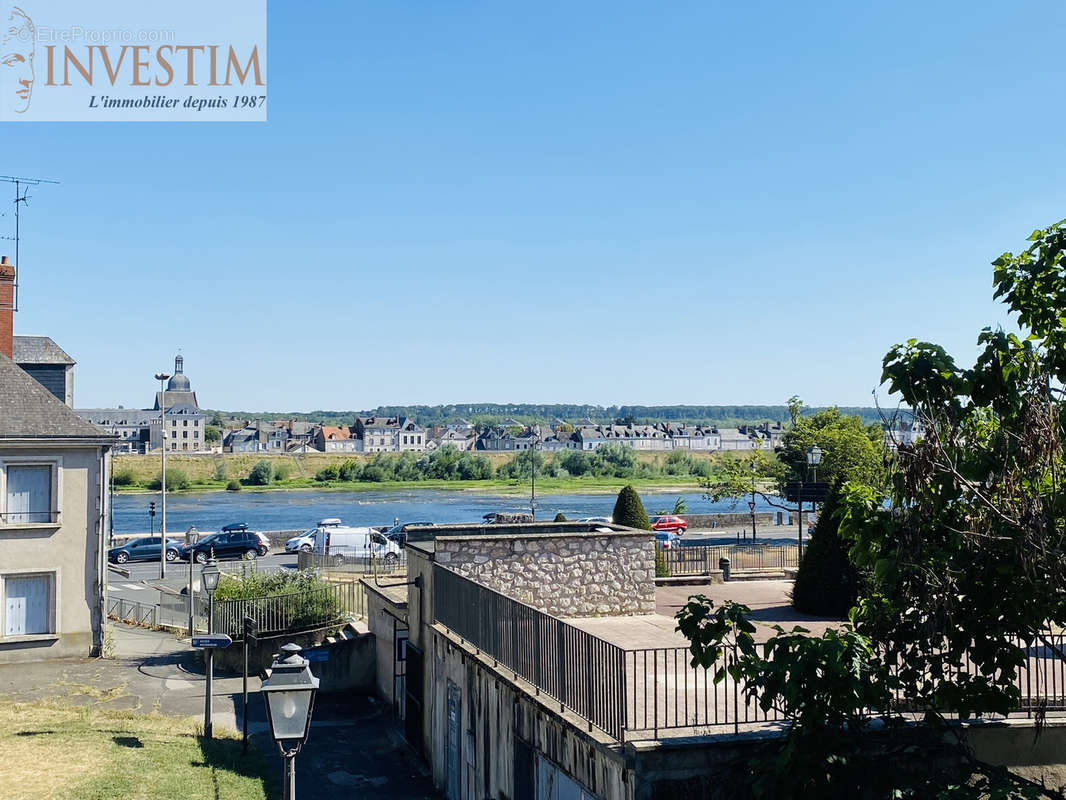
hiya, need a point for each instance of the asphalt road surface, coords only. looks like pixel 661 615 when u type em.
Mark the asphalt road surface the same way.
pixel 135 589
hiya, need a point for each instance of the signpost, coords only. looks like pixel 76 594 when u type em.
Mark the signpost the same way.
pixel 211 641
pixel 251 636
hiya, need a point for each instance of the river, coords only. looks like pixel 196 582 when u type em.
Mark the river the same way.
pixel 298 510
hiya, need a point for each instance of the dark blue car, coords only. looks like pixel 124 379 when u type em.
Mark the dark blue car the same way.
pixel 145 548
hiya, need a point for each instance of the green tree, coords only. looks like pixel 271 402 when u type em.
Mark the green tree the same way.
pixel 177 479
pixel 827 582
pixel 629 510
pixel 212 434
pixel 560 517
pixel 220 470
pixel 262 474
pixel 851 451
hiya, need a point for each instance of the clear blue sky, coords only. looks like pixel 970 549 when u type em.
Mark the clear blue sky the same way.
pixel 603 202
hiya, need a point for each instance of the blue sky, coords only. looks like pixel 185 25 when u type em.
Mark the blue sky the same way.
pixel 603 202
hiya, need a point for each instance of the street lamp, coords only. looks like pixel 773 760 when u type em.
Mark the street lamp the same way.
pixel 161 377
pixel 192 536
pixel 751 505
pixel 814 458
pixel 209 582
pixel 534 441
pixel 290 697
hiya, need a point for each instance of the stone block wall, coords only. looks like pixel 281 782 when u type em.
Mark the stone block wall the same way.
pixel 565 574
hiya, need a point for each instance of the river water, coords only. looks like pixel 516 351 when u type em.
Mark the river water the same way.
pixel 302 509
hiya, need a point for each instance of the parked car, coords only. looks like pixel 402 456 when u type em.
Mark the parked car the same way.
pixel 145 548
pixel 398 533
pixel 234 527
pixel 342 543
pixel 669 522
pixel 306 541
pixel 667 540
pixel 240 544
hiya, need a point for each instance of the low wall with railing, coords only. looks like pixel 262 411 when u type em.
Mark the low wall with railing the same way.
pixel 296 611
pixel 704 560
pixel 392 564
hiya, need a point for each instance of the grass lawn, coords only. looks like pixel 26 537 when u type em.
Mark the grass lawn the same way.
pixel 55 750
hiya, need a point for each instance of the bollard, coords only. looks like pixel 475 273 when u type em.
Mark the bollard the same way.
pixel 723 564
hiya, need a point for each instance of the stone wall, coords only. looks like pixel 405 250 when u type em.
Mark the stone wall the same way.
pixel 564 574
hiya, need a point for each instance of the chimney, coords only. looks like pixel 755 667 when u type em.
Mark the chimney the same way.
pixel 7 307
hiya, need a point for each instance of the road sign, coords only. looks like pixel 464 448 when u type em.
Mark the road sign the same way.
pixel 751 506
pixel 812 492
pixel 251 630
pixel 214 640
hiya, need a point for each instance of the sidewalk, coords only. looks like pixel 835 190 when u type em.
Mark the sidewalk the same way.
pixel 355 745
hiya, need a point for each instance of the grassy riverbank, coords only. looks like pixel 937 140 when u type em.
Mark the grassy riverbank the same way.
pixel 651 471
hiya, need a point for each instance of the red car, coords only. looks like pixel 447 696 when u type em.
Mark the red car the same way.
pixel 669 522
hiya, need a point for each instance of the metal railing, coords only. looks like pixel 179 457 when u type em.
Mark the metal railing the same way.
pixel 332 604
pixel 582 672
pixel 131 612
pixel 631 693
pixel 354 565
pixel 703 559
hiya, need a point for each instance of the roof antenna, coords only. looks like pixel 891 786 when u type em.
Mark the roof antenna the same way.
pixel 21 198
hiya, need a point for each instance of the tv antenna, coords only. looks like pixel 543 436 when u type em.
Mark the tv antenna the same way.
pixel 21 198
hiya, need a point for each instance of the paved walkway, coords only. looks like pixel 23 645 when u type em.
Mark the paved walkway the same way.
pixel 354 746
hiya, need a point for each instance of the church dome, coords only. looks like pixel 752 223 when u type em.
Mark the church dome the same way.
pixel 179 383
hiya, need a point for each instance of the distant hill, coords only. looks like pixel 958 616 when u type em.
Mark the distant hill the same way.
pixel 722 416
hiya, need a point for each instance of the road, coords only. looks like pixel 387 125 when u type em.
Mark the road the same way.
pixel 134 588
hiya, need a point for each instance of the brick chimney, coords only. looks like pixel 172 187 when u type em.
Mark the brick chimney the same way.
pixel 7 307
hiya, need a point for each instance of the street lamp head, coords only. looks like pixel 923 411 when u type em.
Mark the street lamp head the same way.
pixel 814 456
pixel 162 376
pixel 290 697
pixel 209 577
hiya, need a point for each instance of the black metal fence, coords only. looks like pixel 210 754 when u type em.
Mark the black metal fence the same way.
pixel 634 693
pixel 317 608
pixel 582 672
pixel 703 559
pixel 391 564
pixel 131 612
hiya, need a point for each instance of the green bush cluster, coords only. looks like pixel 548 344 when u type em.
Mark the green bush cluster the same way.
pixel 447 463
pixel 124 478
pixel 311 601
pixel 262 474
pixel 176 480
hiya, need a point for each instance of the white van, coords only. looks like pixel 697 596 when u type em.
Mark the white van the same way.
pixel 342 542
pixel 306 540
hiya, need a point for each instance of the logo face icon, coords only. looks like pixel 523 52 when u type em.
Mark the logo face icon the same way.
pixel 17 50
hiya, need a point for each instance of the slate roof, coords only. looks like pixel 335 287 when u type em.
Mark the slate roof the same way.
pixel 29 411
pixel 39 350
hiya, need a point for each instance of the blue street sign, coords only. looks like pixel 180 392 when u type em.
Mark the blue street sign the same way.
pixel 214 640
pixel 316 655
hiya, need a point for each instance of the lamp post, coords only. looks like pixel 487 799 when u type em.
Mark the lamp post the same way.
pixel 289 693
pixel 535 438
pixel 192 536
pixel 209 582
pixel 161 377
pixel 751 505
pixel 814 458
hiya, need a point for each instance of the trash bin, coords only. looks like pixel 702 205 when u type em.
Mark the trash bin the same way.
pixel 723 564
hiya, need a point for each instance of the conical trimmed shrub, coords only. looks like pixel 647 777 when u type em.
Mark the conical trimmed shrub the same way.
pixel 827 583
pixel 560 517
pixel 628 510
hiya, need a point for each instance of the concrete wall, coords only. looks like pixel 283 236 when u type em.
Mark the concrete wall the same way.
pixel 68 550
pixel 385 615
pixel 565 574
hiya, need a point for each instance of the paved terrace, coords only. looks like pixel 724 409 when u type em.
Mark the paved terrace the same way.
pixel 666 697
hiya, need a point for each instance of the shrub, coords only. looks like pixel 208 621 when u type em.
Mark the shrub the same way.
pixel 662 569
pixel 220 471
pixel 560 517
pixel 311 602
pixel 281 472
pixel 176 480
pixel 375 474
pixel 827 582
pixel 262 474
pixel 233 486
pixel 330 473
pixel 350 470
pixel 124 478
pixel 628 510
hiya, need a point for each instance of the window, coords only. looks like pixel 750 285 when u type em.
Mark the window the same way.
pixel 27 605
pixel 184 434
pixel 185 422
pixel 173 423
pixel 196 423
pixel 29 494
